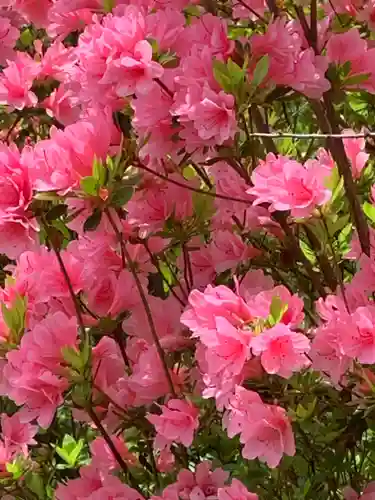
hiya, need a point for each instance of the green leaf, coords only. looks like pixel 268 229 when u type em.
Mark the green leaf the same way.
pixel 26 37
pixel 70 449
pixel 356 79
pixel 261 70
pixel 72 357
pixel 108 5
pixel 277 310
pixel 92 222
pixel 221 75
pixel 90 186
pixel 369 210
pixel 121 196
pixel 35 484
pixel 235 72
pixel 99 172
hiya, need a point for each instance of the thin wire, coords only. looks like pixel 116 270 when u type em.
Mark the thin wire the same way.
pixel 282 135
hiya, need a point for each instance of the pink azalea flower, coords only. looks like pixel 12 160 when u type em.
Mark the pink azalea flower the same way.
pixel 214 116
pixel 289 64
pixel 103 458
pixel 176 424
pixel 8 37
pixel 165 461
pixel 236 491
pixel 355 151
pixel 96 484
pixel 17 433
pixel 35 11
pixel 16 81
pixel 260 305
pixel 165 26
pixel 32 374
pixel 134 72
pixel 207 306
pixel 265 430
pixel 228 250
pixel 359 340
pixel 282 351
pixel 288 185
pixel 203 484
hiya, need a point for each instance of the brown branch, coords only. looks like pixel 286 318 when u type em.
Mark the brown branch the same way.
pixel 328 123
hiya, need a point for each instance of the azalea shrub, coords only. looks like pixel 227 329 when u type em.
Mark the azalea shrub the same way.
pixel 187 249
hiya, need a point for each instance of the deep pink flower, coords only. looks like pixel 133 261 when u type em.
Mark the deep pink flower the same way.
pixel 282 351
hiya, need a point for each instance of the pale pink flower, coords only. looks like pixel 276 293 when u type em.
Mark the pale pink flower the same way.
pixel 288 185
pixel 282 351
pixel 177 423
pixel 16 81
pixel 236 491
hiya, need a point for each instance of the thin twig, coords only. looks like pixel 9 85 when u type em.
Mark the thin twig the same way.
pixel 190 188
pixel 128 260
pixel 112 447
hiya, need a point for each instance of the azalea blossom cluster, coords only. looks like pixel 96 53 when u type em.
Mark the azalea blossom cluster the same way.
pixel 187 238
